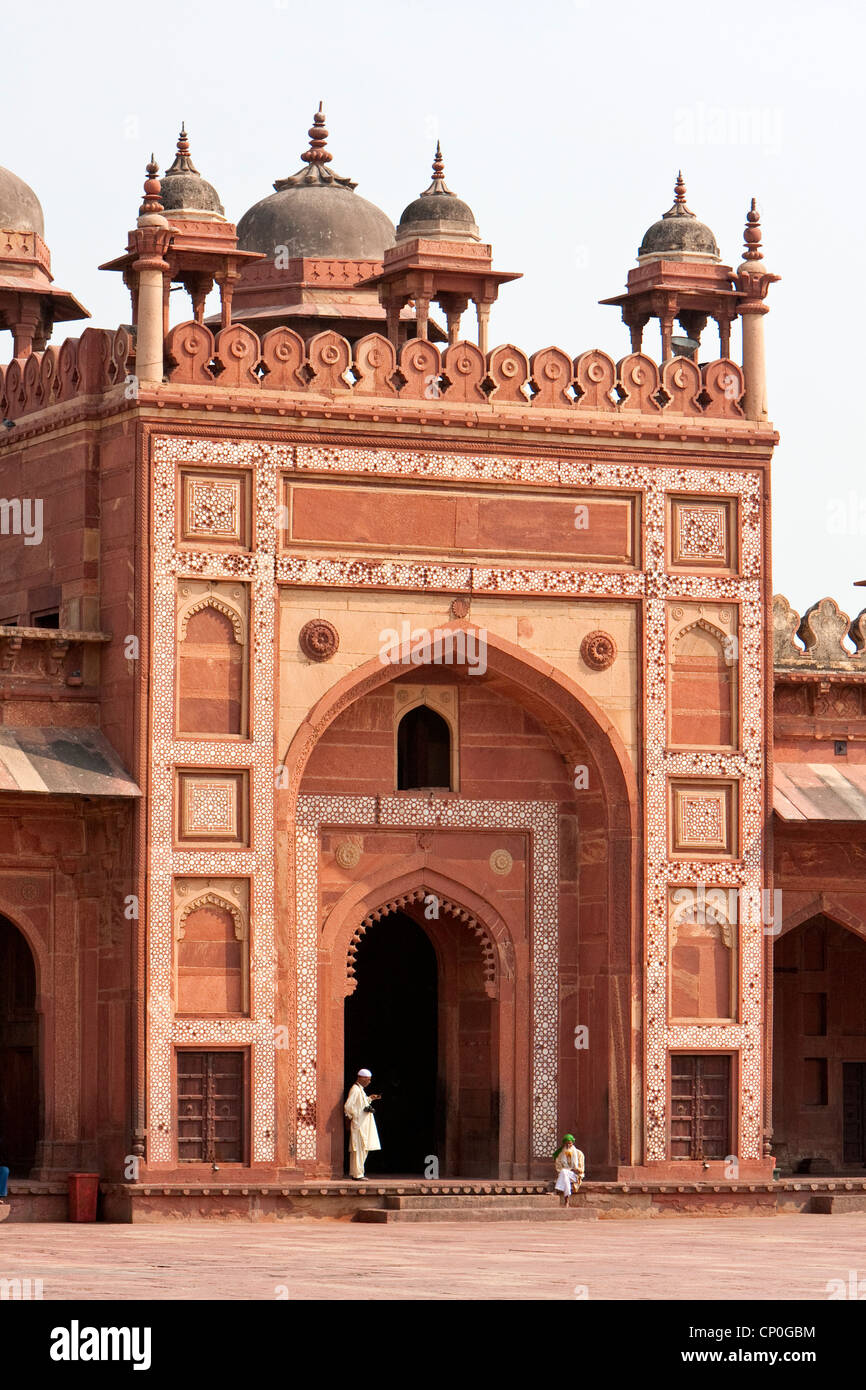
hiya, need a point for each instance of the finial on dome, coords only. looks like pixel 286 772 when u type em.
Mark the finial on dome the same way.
pixel 152 189
pixel 316 158
pixel 318 152
pixel 438 185
pixel 680 188
pixel 752 234
pixel 182 163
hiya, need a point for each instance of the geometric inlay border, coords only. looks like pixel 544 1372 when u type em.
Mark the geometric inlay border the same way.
pixel 540 818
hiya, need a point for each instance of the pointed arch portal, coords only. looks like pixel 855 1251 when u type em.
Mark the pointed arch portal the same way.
pixel 536 1070
pixel 19 1052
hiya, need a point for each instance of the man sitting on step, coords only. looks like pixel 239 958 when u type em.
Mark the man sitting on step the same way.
pixel 570 1164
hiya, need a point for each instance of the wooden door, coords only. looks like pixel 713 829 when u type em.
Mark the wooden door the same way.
pixel 700 1106
pixel 854 1112
pixel 210 1103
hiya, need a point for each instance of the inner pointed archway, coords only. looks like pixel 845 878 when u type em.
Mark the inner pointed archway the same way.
pixel 391 1027
pixel 423 1018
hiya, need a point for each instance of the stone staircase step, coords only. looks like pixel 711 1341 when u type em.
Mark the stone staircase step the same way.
pixel 417 1202
pixel 826 1203
pixel 377 1216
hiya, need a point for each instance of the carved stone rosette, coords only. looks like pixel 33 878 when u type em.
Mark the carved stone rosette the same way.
pixel 598 650
pixel 319 639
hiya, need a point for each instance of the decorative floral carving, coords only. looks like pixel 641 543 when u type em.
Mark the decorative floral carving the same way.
pixel 501 862
pixel 319 639
pixel 347 854
pixel 598 650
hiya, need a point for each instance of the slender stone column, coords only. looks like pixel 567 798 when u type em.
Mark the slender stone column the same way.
pixel 152 237
pixel 149 338
pixel 754 362
pixel 753 281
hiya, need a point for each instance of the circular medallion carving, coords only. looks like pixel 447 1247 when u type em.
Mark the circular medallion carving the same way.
pixel 501 861
pixel 460 608
pixel 347 854
pixel 598 650
pixel 319 639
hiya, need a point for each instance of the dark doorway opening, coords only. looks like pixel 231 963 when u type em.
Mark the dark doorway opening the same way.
pixel 391 1028
pixel 19 1074
pixel 819 1049
pixel 854 1113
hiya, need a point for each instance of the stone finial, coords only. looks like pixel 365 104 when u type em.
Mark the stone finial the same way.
pixel 678 208
pixel 152 202
pixel 438 185
pixel 752 234
pixel 182 161
pixel 318 152
pixel 316 158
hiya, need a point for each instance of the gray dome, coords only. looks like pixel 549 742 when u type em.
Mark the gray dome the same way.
pixel 437 213
pixel 20 209
pixel 315 213
pixel 678 235
pixel 319 220
pixel 182 186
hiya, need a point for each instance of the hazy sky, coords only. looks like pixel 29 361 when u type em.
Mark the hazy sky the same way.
pixel 563 125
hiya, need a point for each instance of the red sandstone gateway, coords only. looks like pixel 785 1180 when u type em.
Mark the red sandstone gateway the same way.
pixel 249 846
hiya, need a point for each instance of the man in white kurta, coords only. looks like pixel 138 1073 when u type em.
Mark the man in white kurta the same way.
pixel 570 1165
pixel 363 1135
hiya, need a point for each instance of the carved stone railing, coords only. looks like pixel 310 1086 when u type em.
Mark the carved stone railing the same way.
pixel 822 630
pixel 84 366
pixel 328 366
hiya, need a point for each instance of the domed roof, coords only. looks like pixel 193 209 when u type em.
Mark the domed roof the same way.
pixel 678 235
pixel 438 214
pixel 20 209
pixel 182 187
pixel 315 213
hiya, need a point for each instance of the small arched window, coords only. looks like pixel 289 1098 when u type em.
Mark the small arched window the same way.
pixel 423 750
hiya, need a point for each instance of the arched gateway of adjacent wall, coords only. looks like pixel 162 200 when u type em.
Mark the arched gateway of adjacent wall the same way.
pixel 21 1120
pixel 536 883
pixel 819 1039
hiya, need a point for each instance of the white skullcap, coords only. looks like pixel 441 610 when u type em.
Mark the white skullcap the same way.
pixel 363 1072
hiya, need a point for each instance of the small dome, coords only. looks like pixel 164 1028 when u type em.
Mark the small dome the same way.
pixel 20 209
pixel 182 187
pixel 678 235
pixel 316 213
pixel 437 214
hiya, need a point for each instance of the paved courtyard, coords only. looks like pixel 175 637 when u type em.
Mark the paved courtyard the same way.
pixel 785 1257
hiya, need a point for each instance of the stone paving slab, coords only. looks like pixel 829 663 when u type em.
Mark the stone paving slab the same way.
pixel 787 1257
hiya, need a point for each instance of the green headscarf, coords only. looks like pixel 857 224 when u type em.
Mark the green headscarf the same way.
pixel 566 1139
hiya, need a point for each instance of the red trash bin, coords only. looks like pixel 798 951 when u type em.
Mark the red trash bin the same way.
pixel 83 1195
